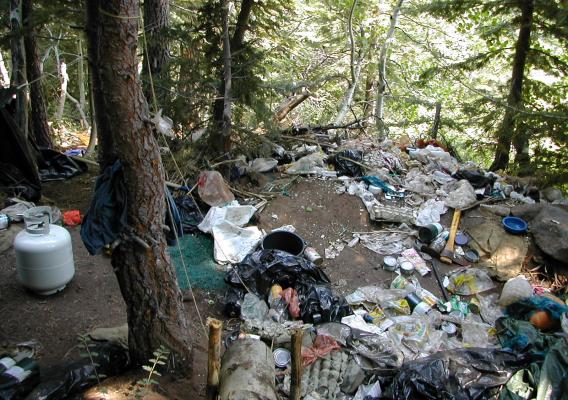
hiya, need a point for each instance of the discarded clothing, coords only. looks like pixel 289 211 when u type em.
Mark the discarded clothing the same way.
pixel 106 217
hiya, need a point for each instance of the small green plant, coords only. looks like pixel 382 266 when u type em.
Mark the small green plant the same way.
pixel 160 358
pixel 88 351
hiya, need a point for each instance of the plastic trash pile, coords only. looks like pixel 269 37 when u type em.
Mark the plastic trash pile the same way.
pixel 401 341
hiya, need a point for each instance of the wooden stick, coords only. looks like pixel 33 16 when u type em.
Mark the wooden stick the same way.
pixel 448 252
pixel 213 358
pixel 296 381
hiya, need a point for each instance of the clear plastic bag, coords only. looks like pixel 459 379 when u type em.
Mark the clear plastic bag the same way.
pixel 213 190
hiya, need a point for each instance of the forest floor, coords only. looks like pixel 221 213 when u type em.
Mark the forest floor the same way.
pixel 93 299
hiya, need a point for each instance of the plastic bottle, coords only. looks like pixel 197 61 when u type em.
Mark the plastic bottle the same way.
pixel 8 362
pixel 22 377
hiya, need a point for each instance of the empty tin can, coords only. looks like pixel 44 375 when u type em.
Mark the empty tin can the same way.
pixel 4 221
pixel 389 263
pixel 312 255
pixel 282 357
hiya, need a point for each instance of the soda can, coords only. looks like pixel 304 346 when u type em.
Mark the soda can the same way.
pixel 312 255
pixel 449 328
pixel 4 221
pixel 282 357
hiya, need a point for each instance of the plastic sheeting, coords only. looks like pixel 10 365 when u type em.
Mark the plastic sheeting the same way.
pixel 344 166
pixel 111 359
pixel 461 374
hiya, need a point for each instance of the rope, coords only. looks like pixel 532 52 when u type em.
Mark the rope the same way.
pixel 182 258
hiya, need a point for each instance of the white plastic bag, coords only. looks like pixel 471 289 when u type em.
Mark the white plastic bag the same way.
pixel 232 243
pixel 462 196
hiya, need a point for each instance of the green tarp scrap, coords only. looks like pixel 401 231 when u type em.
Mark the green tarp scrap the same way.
pixel 546 377
pixel 201 268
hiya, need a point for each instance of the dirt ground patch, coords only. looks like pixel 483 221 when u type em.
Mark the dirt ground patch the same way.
pixel 93 299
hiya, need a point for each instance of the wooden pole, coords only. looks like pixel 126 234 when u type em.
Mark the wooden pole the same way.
pixel 213 358
pixel 296 382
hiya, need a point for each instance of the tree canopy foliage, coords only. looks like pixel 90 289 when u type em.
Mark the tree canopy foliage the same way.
pixel 459 54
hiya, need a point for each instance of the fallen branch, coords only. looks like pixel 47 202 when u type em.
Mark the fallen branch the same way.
pixel 299 130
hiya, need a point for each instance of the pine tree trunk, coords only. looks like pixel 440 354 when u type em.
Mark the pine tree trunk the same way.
pixel 156 23
pixel 514 100
pixel 81 77
pixel 217 139
pixel 64 79
pixel 40 127
pixel 4 72
pixel 18 79
pixel 156 315
pixel 437 120
pixel 382 85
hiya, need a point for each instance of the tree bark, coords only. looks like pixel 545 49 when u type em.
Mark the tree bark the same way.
pixel 64 79
pixel 4 72
pixel 382 85
pixel 436 124
pixel 355 68
pixel 155 310
pixel 218 140
pixel 292 102
pixel 93 131
pixel 18 79
pixel 157 54
pixel 226 135
pixel 514 99
pixel 81 77
pixel 40 127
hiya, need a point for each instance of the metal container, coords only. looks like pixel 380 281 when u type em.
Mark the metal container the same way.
pixel 285 241
pixel 439 243
pixel 312 255
pixel 429 232
pixel 413 300
pixel 247 372
pixel 449 328
pixel 44 253
pixel 407 268
pixel 389 263
pixel 282 357
pixel 4 221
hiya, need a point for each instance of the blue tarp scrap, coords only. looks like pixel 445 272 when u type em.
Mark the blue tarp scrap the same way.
pixel 106 217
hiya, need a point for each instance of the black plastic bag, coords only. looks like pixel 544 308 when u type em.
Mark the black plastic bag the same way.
pixel 56 166
pixel 233 301
pixel 477 178
pixel 111 359
pixel 460 374
pixel 189 213
pixel 264 268
pixel 318 304
pixel 345 167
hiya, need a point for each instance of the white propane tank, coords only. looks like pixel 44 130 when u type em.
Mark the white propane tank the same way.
pixel 44 253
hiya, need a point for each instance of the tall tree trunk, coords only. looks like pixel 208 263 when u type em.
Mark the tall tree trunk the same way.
pixel 18 79
pixel 437 119
pixel 355 69
pixel 81 76
pixel 156 56
pixel 514 100
pixel 226 136
pixel 218 141
pixel 290 103
pixel 349 95
pixel 382 85
pixel 40 127
pixel 93 131
pixel 5 77
pixel 64 79
pixel 155 310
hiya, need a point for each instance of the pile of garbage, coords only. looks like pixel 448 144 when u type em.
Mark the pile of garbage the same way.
pixel 401 341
